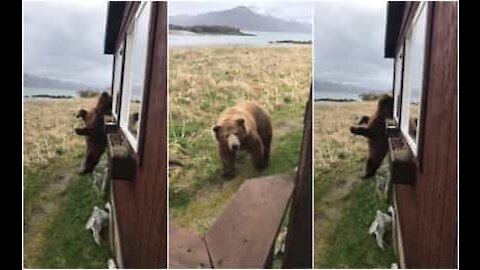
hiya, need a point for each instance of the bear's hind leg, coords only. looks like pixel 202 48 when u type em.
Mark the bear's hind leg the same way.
pixel 257 152
pixel 371 168
pixel 90 162
pixel 266 149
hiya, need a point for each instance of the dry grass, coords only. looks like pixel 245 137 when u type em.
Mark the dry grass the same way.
pixel 333 140
pixel 205 81
pixel 49 128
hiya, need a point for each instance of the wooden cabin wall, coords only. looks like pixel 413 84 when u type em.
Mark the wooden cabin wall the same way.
pixel 141 204
pixel 428 209
pixel 298 244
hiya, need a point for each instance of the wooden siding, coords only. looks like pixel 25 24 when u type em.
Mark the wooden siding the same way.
pixel 428 209
pixel 298 244
pixel 141 204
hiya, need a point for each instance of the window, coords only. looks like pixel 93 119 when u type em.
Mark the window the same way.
pixel 411 93
pixel 397 91
pixel 134 74
pixel 117 81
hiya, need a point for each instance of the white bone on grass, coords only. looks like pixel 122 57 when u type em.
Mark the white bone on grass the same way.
pixel 380 225
pixel 98 219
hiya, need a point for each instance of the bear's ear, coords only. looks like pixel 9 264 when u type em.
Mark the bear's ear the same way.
pixel 216 129
pixel 240 122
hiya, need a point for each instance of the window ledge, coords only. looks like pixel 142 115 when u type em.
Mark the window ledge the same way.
pixel 402 161
pixel 121 158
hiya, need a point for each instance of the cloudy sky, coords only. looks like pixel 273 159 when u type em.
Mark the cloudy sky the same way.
pixel 64 40
pixel 293 10
pixel 349 44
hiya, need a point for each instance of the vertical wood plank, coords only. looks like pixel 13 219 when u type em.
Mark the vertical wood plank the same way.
pixel 298 244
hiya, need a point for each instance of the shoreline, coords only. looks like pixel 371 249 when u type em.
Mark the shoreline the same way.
pixel 49 96
pixel 206 33
pixel 342 100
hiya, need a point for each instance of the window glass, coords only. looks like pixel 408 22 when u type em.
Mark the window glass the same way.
pixel 139 63
pixel 416 71
pixel 398 85
pixel 117 81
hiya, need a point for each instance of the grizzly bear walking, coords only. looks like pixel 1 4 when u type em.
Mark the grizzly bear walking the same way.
pixel 96 138
pixel 247 127
pixel 376 134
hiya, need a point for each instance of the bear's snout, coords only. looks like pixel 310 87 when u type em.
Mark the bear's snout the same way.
pixel 233 142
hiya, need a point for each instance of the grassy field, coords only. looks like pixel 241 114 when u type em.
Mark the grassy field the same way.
pixel 345 205
pixel 58 202
pixel 205 81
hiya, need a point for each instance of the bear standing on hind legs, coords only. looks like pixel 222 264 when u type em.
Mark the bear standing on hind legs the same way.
pixel 96 138
pixel 376 134
pixel 245 126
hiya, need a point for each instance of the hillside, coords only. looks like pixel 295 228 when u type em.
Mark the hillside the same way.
pixel 241 17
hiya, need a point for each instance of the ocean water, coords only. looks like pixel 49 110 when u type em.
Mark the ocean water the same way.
pixel 336 95
pixel 30 91
pixel 260 39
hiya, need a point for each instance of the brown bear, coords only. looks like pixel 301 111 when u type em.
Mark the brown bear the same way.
pixel 376 134
pixel 96 139
pixel 247 127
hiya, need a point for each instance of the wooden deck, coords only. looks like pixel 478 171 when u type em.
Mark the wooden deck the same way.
pixel 244 234
pixel 187 250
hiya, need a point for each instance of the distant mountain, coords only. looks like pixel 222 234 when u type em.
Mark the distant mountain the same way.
pixel 241 17
pixel 328 86
pixel 43 82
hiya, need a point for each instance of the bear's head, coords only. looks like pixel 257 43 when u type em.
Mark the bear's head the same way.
pixel 82 114
pixel 385 106
pixel 231 133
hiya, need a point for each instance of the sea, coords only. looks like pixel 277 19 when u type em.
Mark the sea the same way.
pixel 177 39
pixel 344 95
pixel 337 95
pixel 31 91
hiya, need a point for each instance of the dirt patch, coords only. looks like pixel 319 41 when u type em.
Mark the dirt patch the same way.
pixel 284 127
pixel 43 211
pixel 329 211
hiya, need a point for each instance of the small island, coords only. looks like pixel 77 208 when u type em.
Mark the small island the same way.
pixel 292 41
pixel 209 29
pixel 335 100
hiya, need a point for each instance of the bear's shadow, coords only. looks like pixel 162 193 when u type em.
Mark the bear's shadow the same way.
pixel 244 170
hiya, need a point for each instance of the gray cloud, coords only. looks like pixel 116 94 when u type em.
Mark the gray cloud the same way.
pixel 349 44
pixel 64 40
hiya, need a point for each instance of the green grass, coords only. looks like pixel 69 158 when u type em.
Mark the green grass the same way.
pixel 69 244
pixel 58 204
pixel 350 245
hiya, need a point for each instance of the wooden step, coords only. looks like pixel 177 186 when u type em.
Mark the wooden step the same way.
pixel 244 235
pixel 187 250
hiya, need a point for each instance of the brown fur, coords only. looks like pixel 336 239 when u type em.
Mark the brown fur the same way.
pixel 252 126
pixel 96 139
pixel 375 133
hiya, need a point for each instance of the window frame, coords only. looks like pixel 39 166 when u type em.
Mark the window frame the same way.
pixel 398 83
pixel 117 89
pixel 127 76
pixel 416 143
